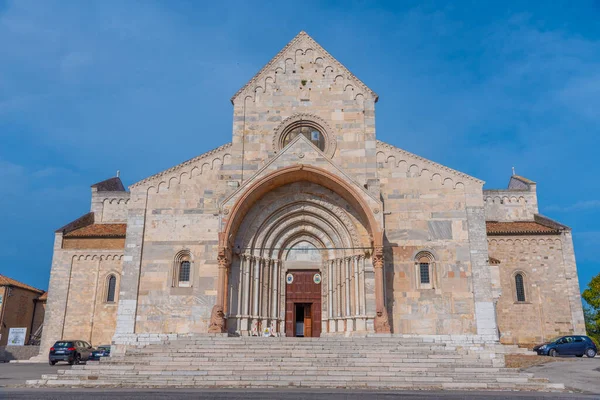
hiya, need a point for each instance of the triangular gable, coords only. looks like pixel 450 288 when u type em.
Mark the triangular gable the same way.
pixel 301 151
pixel 302 40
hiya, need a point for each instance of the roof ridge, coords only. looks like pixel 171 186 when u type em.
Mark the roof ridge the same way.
pixel 183 164
pixel 427 161
pixel 6 281
pixel 296 39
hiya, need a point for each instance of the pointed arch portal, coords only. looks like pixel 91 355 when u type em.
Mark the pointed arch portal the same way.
pixel 292 222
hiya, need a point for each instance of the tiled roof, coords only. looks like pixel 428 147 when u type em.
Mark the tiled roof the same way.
pixel 6 281
pixel 113 184
pixel 519 228
pixel 523 179
pixel 98 231
pixel 80 222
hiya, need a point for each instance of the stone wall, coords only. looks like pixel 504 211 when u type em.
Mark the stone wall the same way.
pixel 547 310
pixel 432 208
pixel 11 353
pixel 109 207
pixel 75 308
pixel 304 81
pixel 173 212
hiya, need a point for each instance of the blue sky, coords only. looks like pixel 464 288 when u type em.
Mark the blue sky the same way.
pixel 87 88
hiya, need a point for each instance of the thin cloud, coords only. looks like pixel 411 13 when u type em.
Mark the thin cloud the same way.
pixel 578 206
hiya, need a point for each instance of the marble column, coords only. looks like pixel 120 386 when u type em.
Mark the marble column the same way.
pixel 255 292
pixel 381 319
pixel 356 291
pixel 349 324
pixel 217 319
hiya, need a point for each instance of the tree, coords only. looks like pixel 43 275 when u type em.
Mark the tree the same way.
pixel 592 313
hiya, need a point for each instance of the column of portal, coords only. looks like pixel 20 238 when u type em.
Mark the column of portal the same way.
pixel 274 299
pixel 246 263
pixel 282 289
pixel 349 325
pixel 331 326
pixel 240 292
pixel 340 296
pixel 356 293
pixel 255 292
pixel 362 324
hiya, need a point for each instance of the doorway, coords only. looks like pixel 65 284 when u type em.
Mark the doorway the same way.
pixel 303 304
pixel 303 325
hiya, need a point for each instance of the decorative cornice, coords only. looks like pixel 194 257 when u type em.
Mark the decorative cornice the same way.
pixel 183 164
pixel 428 162
pixel 324 53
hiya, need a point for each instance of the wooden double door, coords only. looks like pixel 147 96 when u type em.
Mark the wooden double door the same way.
pixel 303 304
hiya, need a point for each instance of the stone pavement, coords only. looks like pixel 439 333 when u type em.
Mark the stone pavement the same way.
pixel 578 373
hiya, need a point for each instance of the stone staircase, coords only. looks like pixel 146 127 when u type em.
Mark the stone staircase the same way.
pixel 332 362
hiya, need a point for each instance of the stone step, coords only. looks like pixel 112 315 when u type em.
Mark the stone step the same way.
pixel 374 384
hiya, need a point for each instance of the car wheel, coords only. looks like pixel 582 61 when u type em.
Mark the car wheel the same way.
pixel 51 362
pixel 591 353
pixel 77 359
pixel 552 353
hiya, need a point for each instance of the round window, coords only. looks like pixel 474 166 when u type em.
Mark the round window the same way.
pixel 309 132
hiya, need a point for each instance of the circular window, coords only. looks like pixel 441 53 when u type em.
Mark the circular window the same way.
pixel 311 127
pixel 309 132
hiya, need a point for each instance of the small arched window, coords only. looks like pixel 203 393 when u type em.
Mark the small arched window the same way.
pixel 184 273
pixel 111 287
pixel 182 269
pixel 520 287
pixel 425 264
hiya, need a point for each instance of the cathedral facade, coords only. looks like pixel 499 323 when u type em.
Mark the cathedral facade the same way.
pixel 306 225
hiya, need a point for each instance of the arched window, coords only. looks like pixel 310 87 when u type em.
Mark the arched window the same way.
pixel 182 269
pixel 184 273
pixel 111 287
pixel 520 287
pixel 425 268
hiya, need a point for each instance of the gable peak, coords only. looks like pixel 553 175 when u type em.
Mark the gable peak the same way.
pixel 301 42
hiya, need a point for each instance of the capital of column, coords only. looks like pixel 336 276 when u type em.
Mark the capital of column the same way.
pixel 378 257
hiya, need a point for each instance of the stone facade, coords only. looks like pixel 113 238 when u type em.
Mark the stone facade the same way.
pixel 400 242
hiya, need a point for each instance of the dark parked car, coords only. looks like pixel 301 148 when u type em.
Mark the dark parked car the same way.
pixel 101 351
pixel 71 351
pixel 574 345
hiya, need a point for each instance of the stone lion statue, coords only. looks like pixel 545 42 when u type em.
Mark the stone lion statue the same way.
pixel 217 320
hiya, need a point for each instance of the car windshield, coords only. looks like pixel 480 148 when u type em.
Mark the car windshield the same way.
pixel 63 344
pixel 555 339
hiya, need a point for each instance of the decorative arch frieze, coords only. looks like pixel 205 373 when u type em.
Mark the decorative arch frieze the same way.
pixel 303 50
pixel 203 164
pixel 392 157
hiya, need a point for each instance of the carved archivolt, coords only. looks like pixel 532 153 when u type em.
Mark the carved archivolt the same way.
pixel 280 218
pixel 258 216
pixel 414 166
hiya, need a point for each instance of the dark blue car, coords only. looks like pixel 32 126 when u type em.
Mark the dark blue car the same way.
pixel 573 345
